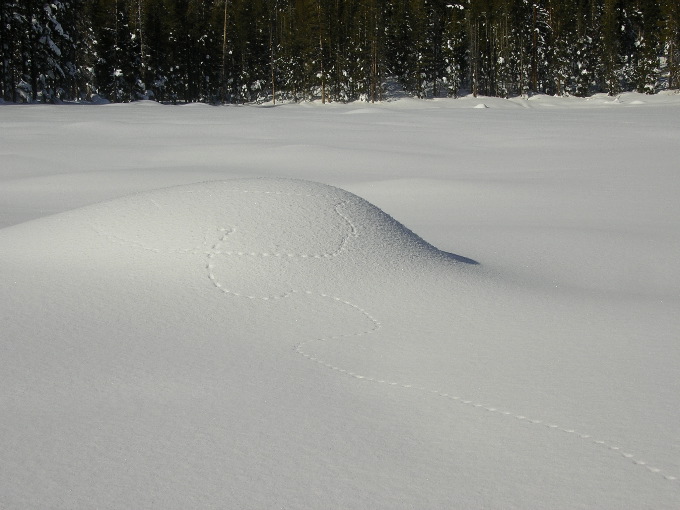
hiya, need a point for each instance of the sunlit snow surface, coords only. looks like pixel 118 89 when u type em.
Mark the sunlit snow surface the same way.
pixel 211 331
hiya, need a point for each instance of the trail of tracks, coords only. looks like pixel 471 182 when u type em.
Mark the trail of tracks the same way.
pixel 220 249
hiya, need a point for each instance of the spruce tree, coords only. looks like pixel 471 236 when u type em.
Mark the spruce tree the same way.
pixel 670 37
pixel 13 24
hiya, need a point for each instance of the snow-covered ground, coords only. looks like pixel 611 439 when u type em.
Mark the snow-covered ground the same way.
pixel 186 321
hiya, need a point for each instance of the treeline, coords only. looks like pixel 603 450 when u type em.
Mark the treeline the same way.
pixel 334 50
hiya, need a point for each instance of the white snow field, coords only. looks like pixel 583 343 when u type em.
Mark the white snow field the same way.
pixel 206 307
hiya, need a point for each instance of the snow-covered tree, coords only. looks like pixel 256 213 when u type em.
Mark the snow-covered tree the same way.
pixel 670 40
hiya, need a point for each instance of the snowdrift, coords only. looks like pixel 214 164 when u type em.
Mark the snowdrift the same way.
pixel 260 343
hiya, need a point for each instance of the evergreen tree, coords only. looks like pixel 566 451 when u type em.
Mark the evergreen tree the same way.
pixel 564 30
pixel 640 45
pixel 453 49
pixel 118 65
pixel 78 52
pixel 587 68
pixel 670 37
pixel 11 37
pixel 610 55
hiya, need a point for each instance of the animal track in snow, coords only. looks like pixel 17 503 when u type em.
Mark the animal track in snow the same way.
pixel 217 251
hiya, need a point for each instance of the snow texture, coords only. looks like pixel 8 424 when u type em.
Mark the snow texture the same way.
pixel 250 338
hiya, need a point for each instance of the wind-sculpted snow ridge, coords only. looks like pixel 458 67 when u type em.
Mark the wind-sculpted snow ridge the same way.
pixel 210 337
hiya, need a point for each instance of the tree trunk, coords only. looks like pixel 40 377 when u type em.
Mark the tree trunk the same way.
pixel 271 55
pixel 534 52
pixel 223 71
pixel 140 28
pixel 323 77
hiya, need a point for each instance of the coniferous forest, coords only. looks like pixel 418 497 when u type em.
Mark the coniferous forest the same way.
pixel 231 51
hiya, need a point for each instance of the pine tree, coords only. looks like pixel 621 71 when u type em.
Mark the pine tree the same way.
pixel 13 24
pixel 610 37
pixel 670 36
pixel 587 70
pixel 118 69
pixel 78 54
pixel 640 45
pixel 454 44
pixel 563 25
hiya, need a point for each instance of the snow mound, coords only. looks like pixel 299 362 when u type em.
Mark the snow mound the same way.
pixel 264 237
pixel 279 218
pixel 162 340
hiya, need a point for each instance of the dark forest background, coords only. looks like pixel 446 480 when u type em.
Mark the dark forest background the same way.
pixel 335 50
